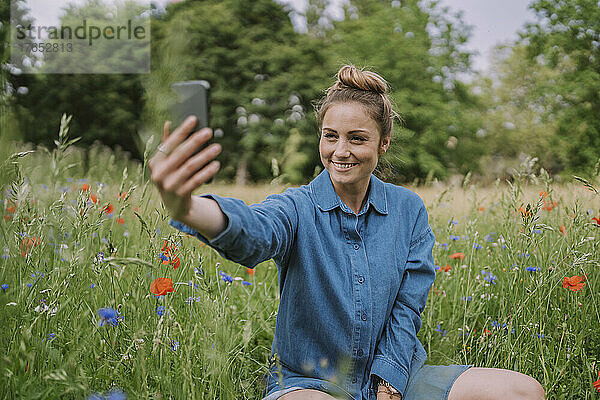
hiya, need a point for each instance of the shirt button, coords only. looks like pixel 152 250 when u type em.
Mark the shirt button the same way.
pixel 356 246
pixel 363 317
pixel 361 279
pixel 354 380
pixel 359 353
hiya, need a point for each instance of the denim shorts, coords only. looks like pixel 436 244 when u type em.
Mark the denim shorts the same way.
pixel 431 382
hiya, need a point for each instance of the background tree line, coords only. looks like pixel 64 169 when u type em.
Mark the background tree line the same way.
pixel 541 97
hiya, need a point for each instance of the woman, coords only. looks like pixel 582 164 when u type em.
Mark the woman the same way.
pixel 354 256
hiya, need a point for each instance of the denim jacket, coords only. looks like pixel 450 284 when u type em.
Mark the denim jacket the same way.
pixel 352 287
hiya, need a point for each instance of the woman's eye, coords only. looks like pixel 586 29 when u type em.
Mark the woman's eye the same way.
pixel 358 138
pixel 329 135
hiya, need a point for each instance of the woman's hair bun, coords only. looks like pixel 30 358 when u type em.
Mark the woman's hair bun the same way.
pixel 351 77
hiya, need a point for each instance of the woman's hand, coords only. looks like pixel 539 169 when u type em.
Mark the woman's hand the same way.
pixel 177 171
pixel 383 393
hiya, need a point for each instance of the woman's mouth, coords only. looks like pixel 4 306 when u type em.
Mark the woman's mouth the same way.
pixel 343 166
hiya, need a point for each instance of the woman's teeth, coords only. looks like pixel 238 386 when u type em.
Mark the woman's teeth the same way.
pixel 344 165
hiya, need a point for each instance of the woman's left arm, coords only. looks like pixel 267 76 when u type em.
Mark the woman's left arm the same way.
pixel 394 352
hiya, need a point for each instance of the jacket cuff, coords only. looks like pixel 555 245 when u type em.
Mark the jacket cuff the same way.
pixel 224 239
pixel 389 372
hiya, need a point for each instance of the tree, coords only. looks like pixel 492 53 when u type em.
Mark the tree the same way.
pixel 566 38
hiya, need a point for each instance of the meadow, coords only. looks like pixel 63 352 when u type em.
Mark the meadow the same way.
pixel 517 286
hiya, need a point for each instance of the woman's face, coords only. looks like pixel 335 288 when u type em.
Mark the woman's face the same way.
pixel 350 145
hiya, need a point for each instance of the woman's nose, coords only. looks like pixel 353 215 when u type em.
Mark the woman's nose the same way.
pixel 341 149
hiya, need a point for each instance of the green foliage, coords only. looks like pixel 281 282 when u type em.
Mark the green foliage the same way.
pixel 566 38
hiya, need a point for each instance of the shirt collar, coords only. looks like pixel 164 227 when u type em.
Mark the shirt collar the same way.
pixel 327 199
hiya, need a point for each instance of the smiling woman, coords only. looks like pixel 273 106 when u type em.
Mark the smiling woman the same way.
pixel 354 256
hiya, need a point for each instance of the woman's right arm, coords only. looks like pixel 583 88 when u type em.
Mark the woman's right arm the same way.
pixel 177 172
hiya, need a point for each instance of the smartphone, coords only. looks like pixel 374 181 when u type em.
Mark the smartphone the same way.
pixel 191 98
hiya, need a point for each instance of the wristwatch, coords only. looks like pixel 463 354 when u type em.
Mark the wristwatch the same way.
pixel 389 387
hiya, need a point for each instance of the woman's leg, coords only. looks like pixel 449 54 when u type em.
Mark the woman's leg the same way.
pixel 306 394
pixel 495 384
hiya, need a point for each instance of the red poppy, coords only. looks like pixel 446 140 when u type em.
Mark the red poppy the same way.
pixel 11 209
pixel 563 229
pixel 481 209
pixel 93 198
pixel 574 283
pixel 250 271
pixel 27 244
pixel 120 221
pixel 7 217
pixel 597 219
pixel 487 332
pixel 85 187
pixel 161 286
pixel 597 383
pixel 460 256
pixel 108 209
pixel 122 195
pixel 445 268
pixel 524 212
pixel 543 194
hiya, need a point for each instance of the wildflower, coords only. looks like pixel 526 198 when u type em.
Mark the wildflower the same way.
pixel 108 209
pixel 525 212
pixel 122 195
pixel 459 256
pixel 226 278
pixel 160 311
pixel 466 298
pixel 120 221
pixel 161 286
pixel 49 337
pixel 537 231
pixel 93 198
pixel 495 324
pixel 563 229
pixel 446 268
pixel 487 332
pixel 489 238
pixel 480 209
pixel 452 221
pixel 597 383
pixel 4 287
pixel 454 237
pixel 477 246
pixel 85 187
pixel 92 286
pixel 597 219
pixel 440 330
pixel 109 316
pixel 489 277
pixel 574 283
pixel 174 345
pixel 532 269
pixel 27 244
pixel 246 283
pixel 250 271
pixel 543 194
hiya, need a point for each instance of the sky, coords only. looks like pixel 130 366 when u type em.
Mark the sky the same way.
pixel 493 21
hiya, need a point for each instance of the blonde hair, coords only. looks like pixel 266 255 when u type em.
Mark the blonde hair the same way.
pixel 366 88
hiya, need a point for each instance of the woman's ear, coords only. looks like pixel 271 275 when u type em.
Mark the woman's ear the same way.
pixel 384 144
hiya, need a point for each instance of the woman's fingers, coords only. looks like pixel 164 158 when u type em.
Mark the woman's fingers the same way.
pixel 166 131
pixel 200 178
pixel 177 178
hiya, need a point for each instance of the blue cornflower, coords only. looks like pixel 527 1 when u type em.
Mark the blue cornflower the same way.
pixel 225 277
pixel 526 255
pixel 5 256
pixel 198 271
pixel 477 246
pixel 246 283
pixel 45 187
pixel 452 221
pixel 92 286
pixel 454 237
pixel 532 269
pixel 29 285
pixel 109 316
pixel 49 337
pixel 4 287
pixel 537 231
pixel 174 345
pixel 496 324
pixel 540 336
pixel 443 245
pixel 465 237
pixel 160 311
pixel 466 298
pixel 489 238
pixel 489 277
pixel 440 330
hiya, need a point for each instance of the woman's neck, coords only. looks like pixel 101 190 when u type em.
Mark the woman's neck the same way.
pixel 353 196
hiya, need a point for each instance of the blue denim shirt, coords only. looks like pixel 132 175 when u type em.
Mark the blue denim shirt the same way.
pixel 352 287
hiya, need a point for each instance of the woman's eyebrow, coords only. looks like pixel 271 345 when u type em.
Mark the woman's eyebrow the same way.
pixel 349 132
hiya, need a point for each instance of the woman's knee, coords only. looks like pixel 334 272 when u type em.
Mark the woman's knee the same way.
pixel 495 384
pixel 306 394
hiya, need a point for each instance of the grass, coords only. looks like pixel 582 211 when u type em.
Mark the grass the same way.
pixel 64 257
